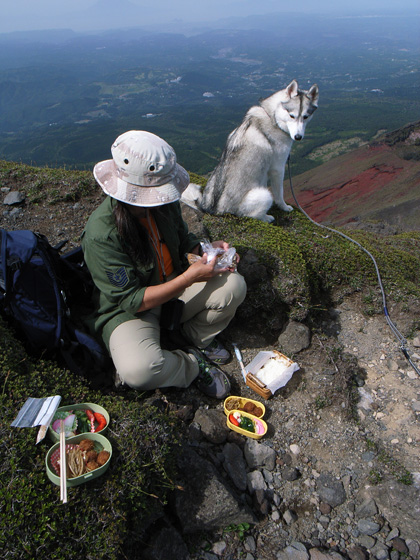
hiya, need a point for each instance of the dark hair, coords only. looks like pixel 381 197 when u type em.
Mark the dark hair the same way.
pixel 134 235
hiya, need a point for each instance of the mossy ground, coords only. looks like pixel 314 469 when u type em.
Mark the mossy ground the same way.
pixel 309 266
pixel 102 518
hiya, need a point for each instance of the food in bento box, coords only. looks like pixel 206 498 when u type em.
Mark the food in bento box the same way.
pixel 102 458
pixel 233 404
pixel 91 455
pixel 81 458
pixel 75 462
pixel 91 466
pixel 250 407
pixel 78 421
pixel 254 426
pixel 86 445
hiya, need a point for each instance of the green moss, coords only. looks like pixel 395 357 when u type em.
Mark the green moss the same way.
pixel 308 265
pixel 45 184
pixel 103 517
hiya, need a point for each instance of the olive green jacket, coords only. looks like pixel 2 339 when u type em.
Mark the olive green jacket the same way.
pixel 120 283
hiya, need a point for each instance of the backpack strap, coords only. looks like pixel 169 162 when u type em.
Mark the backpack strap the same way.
pixel 24 244
pixel 44 250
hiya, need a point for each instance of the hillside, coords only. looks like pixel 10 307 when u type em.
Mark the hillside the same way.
pixel 343 478
pixel 379 182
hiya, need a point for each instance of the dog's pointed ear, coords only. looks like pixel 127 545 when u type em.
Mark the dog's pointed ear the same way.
pixel 313 94
pixel 292 89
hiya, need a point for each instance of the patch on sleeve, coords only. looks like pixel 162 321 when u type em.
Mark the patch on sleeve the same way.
pixel 118 278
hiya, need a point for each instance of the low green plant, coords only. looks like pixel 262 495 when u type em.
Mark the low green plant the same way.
pixel 240 530
pixel 320 403
pixel 375 476
pixel 302 270
pixel 105 518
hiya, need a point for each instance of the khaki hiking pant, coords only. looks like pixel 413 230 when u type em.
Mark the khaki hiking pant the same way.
pixel 135 347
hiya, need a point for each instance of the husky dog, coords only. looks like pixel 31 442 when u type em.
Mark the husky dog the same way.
pixel 254 158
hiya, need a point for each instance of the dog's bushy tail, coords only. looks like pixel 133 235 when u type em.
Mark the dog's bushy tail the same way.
pixel 192 196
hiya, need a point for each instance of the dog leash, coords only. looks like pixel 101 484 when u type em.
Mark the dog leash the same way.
pixel 402 341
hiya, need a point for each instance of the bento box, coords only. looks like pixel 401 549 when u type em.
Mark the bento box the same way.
pixel 249 424
pixel 81 422
pixel 75 453
pixel 268 372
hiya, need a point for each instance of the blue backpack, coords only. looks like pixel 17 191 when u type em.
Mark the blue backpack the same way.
pixel 43 295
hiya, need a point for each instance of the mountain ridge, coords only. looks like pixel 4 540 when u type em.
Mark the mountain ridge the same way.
pixel 379 181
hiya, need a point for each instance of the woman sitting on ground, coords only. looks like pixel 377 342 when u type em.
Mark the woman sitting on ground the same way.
pixel 135 244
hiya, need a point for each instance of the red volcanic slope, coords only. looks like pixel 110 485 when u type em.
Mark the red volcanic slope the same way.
pixel 370 183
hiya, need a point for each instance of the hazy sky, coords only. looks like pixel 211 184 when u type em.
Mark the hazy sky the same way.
pixel 21 15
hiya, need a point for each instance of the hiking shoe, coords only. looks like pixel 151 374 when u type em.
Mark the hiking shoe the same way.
pixel 217 353
pixel 211 380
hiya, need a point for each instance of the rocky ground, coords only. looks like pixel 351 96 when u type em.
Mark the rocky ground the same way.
pixel 337 474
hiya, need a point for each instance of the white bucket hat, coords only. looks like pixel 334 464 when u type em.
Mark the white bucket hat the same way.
pixel 143 171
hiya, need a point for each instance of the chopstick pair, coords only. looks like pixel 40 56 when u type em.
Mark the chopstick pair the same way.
pixel 63 464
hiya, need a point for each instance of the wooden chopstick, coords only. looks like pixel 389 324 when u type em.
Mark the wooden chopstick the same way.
pixel 63 464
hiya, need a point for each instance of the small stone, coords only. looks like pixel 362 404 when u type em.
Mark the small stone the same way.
pixel 255 481
pixel 415 405
pixel 275 516
pixel 368 456
pixel 290 474
pixel 324 520
pixel 260 502
pixel 294 338
pixel 219 548
pixel 330 490
pixel 399 544
pixel 392 535
pixel 381 554
pixel 357 553
pixel 15 212
pixel 413 549
pixel 367 527
pixel 249 544
pixel 14 197
pixel 259 455
pixel 289 516
pixel 392 366
pixel 324 508
pixel 295 449
pixel 366 541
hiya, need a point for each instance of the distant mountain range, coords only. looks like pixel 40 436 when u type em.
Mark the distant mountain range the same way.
pixel 376 183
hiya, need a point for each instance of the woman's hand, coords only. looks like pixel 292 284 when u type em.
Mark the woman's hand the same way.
pixel 219 245
pixel 202 270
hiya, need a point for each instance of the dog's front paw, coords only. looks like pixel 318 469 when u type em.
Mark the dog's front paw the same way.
pixel 286 208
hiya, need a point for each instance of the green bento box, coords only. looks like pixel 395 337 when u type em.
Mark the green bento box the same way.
pixel 101 443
